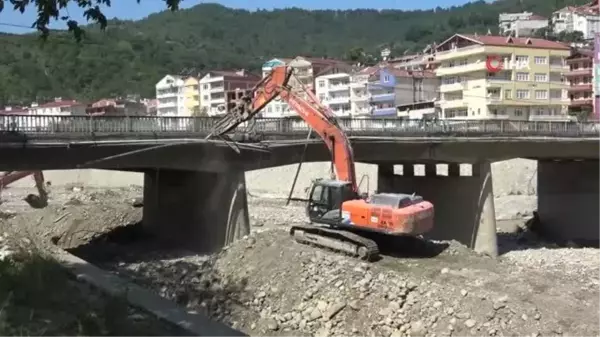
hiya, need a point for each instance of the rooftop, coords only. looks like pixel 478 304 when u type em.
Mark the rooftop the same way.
pixel 503 41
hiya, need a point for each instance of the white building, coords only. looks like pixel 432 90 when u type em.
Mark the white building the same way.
pixel 170 97
pixel 359 94
pixel 333 90
pixel 520 24
pixel 277 107
pixel 584 19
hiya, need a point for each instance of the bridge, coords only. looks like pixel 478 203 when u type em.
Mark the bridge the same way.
pixel 195 188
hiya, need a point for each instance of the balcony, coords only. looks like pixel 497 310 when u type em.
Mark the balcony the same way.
pixel 581 102
pixel 578 60
pixel 362 112
pixel 383 97
pixel 360 98
pixel 360 84
pixel 172 104
pixel 454 104
pixel 384 111
pixel 578 87
pixel 219 100
pixel 339 87
pixel 217 89
pixel 452 87
pixel 498 116
pixel 578 72
pixel 446 71
pixel 459 53
pixel 166 94
pixel 337 100
pixel 559 66
pixel 548 118
pixel 494 100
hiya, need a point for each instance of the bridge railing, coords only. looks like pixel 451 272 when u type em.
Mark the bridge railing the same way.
pixel 284 127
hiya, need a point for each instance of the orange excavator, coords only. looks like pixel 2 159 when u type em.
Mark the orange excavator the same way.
pixel 340 212
pixel 35 201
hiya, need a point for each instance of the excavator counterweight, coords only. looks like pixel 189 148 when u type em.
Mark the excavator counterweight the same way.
pixel 335 207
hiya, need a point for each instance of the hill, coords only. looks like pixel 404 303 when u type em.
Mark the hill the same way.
pixel 130 57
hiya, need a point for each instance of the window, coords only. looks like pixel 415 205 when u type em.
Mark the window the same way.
pixel 507 94
pixel 386 78
pixel 541 94
pixel 321 84
pixel 316 194
pixel 205 87
pixel 518 113
pixel 523 77
pixel 541 77
pixel 522 59
pixel 463 62
pixel 540 60
pixel 205 97
pixel 522 94
pixel 556 93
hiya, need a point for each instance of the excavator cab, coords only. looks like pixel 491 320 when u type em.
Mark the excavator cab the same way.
pixel 325 201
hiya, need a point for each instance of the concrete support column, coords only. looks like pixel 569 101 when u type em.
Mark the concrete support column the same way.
pixel 568 200
pixel 200 211
pixel 464 205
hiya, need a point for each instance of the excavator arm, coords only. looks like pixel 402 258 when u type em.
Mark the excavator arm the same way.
pixel 39 201
pixel 317 116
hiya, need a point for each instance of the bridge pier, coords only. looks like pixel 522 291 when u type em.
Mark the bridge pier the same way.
pixel 201 211
pixel 464 205
pixel 568 199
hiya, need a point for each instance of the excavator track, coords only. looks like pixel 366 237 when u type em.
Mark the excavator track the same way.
pixel 336 239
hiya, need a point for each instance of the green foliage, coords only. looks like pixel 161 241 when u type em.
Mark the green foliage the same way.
pixel 130 57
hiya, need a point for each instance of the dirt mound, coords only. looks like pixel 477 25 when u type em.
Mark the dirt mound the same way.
pixel 266 284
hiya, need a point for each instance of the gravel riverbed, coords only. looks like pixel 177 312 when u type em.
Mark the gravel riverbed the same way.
pixel 266 284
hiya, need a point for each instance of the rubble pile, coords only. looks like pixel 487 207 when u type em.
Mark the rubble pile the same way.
pixel 267 284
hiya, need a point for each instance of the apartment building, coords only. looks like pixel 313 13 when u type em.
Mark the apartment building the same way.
pixel 191 95
pixel 499 77
pixel 306 69
pixel 116 107
pixel 585 19
pixel 170 97
pixel 58 107
pixel 333 90
pixel 520 24
pixel 216 87
pixel 580 78
pixel 377 91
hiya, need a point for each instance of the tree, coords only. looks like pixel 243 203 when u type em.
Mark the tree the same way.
pixel 131 56
pixel 55 9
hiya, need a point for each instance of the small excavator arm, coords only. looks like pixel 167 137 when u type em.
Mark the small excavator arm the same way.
pixel 35 201
pixel 317 116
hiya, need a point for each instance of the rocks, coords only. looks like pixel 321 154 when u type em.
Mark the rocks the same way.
pixel 266 284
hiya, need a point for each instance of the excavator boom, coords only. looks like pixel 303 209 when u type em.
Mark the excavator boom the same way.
pixel 334 203
pixel 317 116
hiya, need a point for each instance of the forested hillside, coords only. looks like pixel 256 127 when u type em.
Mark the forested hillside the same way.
pixel 130 57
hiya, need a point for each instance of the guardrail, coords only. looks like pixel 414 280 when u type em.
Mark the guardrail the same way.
pixel 289 127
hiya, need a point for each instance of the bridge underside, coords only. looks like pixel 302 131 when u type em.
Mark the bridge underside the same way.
pixel 464 204
pixel 199 211
pixel 194 187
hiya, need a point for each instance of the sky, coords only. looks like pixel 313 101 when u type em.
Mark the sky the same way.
pixel 14 22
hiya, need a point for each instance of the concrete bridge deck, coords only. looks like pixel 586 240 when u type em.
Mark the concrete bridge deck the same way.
pixel 202 182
